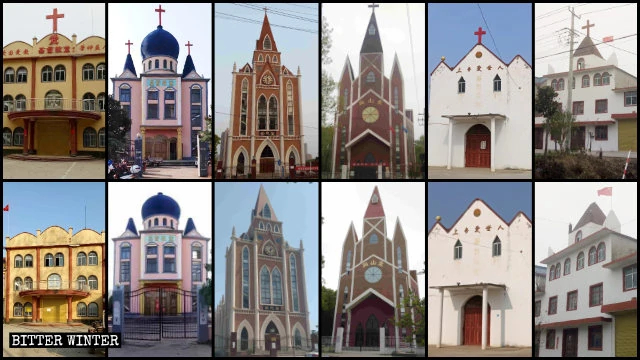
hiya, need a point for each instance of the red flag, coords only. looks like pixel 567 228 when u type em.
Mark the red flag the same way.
pixel 6 208
pixel 607 39
pixel 605 191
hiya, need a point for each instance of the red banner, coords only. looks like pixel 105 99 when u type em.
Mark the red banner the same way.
pixel 307 168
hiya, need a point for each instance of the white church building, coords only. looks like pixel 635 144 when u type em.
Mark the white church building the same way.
pixel 588 306
pixel 604 101
pixel 480 112
pixel 479 278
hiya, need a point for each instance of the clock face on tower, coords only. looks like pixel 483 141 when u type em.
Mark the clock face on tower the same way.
pixel 373 274
pixel 267 80
pixel 269 250
pixel 370 114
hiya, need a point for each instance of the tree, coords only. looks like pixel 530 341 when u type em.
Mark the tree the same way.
pixel 216 142
pixel 417 325
pixel 205 134
pixel 561 124
pixel 207 288
pixel 328 102
pixel 326 148
pixel 327 307
pixel 546 106
pixel 118 127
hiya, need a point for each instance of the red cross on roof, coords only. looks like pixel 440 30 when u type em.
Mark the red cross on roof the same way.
pixel 480 32
pixel 160 10
pixel 55 16
pixel 188 45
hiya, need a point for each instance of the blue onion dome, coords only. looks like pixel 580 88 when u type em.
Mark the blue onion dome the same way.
pixel 160 205
pixel 159 43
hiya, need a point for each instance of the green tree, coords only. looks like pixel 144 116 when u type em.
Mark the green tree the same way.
pixel 118 127
pixel 328 102
pixel 546 105
pixel 417 325
pixel 327 307
pixel 561 124
pixel 326 147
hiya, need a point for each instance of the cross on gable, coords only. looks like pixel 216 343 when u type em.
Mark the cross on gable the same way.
pixel 480 32
pixel 588 26
pixel 373 7
pixel 128 43
pixel 188 45
pixel 160 10
pixel 55 16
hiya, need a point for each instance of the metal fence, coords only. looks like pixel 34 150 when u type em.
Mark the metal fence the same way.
pixel 371 172
pixel 258 347
pixel 244 173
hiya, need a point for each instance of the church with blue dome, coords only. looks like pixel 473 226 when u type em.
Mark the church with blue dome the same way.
pixel 167 107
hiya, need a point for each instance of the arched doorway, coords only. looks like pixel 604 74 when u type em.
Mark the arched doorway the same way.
pixel 173 149
pixel 373 332
pixel 292 158
pixel 478 147
pixel 272 330
pixel 267 160
pixel 359 335
pixel 368 170
pixel 472 326
pixel 240 166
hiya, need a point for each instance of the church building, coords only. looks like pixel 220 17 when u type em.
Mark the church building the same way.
pixel 479 277
pixel 266 113
pixel 374 280
pixel 600 124
pixel 265 286
pixel 53 94
pixel 373 134
pixel 480 111
pixel 167 108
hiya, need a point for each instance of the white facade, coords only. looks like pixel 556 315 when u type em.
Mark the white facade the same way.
pixel 593 231
pixel 506 113
pixel 504 281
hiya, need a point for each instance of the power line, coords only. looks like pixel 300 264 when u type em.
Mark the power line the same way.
pixel 566 51
pixel 302 6
pixel 609 8
pixel 226 16
pixel 277 12
pixel 295 12
pixel 555 22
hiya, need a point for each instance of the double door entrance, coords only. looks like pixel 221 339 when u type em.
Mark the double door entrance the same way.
pixel 570 343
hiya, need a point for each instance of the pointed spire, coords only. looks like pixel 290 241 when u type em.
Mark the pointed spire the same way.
pixel 190 226
pixel 266 32
pixel 371 42
pixel 128 65
pixel 235 68
pixel 189 67
pixel 263 200
pixel 374 209
pixel 587 47
pixel 131 226
pixel 233 231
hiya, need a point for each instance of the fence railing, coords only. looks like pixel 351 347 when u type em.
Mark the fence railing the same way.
pixel 53 104
pixel 54 285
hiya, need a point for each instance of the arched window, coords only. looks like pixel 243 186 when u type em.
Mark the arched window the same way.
pixel 345 99
pixel 266 212
pixel 244 339
pixel 373 239
pixel 399 260
pixel 554 84
pixel 54 281
pixel 497 83
pixel 89 138
pixel 22 75
pixel 461 87
pixel 585 81
pixel 552 273
pixel 21 102
pixel 149 67
pixel 561 84
pixel 155 222
pixel 497 247
pixel 81 309
pixel 157 64
pixel 7 103
pixel 7 135
pixel 28 261
pixel 9 75
pixel 101 138
pixel 592 255
pixel 348 265
pixel 245 277
pixel 17 262
pixel 580 64
pixel 82 283
pixel 17 284
pixel 343 143
pixel 276 229
pixel 101 101
pixel 87 72
pixel 28 283
pixel 243 108
pixel 290 108
pixel 346 295
pixel 93 258
pixel 273 113
pixel 371 77
pixel 93 283
pixel 395 98
pixel 53 100
pixel 372 30
pixel 28 309
pixel 164 63
pixel 579 235
pixel 297 338
pixel 265 288
pixel 580 261
pixel 93 309
pixel 457 250
pixel 164 221
pixel 597 79
pixel 606 78
pixel 261 225
pixel 101 72
pixel 601 252
pixel 558 269
pixel 260 58
pixel 262 113
pixel 267 43
pixel 567 266
pixel 60 73
pixel 59 259
pixel 401 293
pixel 81 259
pixel 294 282
pixel 268 227
pixel 88 102
pixel 48 260
pixel 46 74
pixel 17 309
pixel 276 285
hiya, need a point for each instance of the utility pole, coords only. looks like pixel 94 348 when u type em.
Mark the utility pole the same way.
pixel 571 81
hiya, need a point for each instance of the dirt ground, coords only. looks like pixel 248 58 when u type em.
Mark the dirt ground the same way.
pixel 475 351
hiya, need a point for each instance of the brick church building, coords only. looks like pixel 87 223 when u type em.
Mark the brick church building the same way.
pixel 265 287
pixel 374 279
pixel 266 114
pixel 373 129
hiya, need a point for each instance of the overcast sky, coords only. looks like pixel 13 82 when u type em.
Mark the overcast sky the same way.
pixel 346 202
pixel 558 204
pixel 349 23
pixel 552 22
pixel 125 201
pixel 24 21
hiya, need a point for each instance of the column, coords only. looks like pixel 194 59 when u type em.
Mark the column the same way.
pixel 34 309
pixel 450 145
pixel 439 328
pixel 144 141
pixel 69 310
pixel 484 311
pixel 179 144
pixel 25 139
pixel 32 131
pixel 74 137
pixel 493 144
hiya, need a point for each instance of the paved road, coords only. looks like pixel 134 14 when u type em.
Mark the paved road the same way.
pixel 24 352
pixel 173 172
pixel 475 351
pixel 475 173
pixel 164 348
pixel 88 169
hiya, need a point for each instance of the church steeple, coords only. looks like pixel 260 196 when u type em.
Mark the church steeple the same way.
pixel 374 209
pixel 266 40
pixel 263 206
pixel 371 42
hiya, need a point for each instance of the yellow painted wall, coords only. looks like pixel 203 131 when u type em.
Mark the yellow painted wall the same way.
pixel 626 334
pixel 627 135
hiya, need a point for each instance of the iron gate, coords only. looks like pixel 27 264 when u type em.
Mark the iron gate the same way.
pixel 156 313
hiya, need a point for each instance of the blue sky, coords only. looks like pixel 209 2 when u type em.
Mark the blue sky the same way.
pixel 236 40
pixel 451 28
pixel 450 199
pixel 295 204
pixel 39 205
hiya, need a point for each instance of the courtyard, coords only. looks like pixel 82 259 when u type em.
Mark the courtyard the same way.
pixel 441 172
pixel 86 169
pixel 475 351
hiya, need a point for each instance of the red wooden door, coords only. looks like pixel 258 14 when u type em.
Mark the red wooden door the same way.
pixel 478 147
pixel 267 165
pixel 539 137
pixel 472 327
pixel 570 343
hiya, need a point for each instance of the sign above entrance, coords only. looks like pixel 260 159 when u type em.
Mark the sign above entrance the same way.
pixel 160 83
pixel 159 238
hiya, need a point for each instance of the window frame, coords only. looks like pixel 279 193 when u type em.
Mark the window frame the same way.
pixel 29 258
pixel 580 105
pixel 15 261
pixel 591 328
pixel 588 81
pixel 555 303
pixel 579 262
pixel 552 272
pixel 602 132
pixel 497 81
pixel 537 308
pixel 592 250
pixel 496 244
pixel 461 85
pixel 60 69
pixel 606 106
pixel 551 345
pixel 457 250
pixel 89 257
pixel 88 72
pixel 567 308
pixel 631 97
pixel 22 72
pixel 567 266
pixel 624 277
pixel 601 294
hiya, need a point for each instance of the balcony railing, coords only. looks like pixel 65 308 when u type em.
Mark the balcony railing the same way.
pixel 55 285
pixel 90 105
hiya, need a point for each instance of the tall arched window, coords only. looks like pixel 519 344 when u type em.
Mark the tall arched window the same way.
pixel 373 239
pixel 262 113
pixel 343 143
pixel 48 260
pixel 59 259
pixel 497 247
pixel 461 87
pixel 54 281
pixel 243 107
pixel 290 126
pixel 93 309
pixel 276 286
pixel 88 102
pixel 17 309
pixel 244 339
pixel 87 72
pixel 395 98
pixel 157 64
pixel 497 84
pixel 345 99
pixel 266 212
pixel 17 262
pixel 399 260
pixel 554 84
pixel 580 64
pixel 7 103
pixel 597 79
pixel 101 72
pixel 267 43
pixel 28 309
pixel 580 261
pixel 552 273
pixel 28 261
pixel 592 256
pixel 164 63
pixel 46 74
pixel 53 100
pixel 567 266
pixel 9 75
pixel 585 81
pixel 457 250
pixel 82 283
pixel 601 252
pixel 60 73
pixel 89 138
pixel 561 84
pixel 346 295
pixel 93 282
pixel 17 284
pixel 82 309
pixel 401 293
pixel 371 77
pixel 260 58
pixel 245 278
pixel 28 283
pixel 22 75
pixel 297 338
pixel 348 265
pixel 265 288
pixel 558 268
pixel 81 259
pixel 606 78
pixel 273 113
pixel 294 282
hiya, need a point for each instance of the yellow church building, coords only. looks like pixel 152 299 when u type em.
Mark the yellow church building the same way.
pixel 55 276
pixel 54 95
